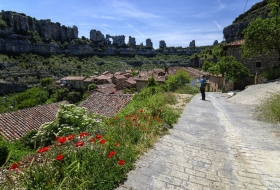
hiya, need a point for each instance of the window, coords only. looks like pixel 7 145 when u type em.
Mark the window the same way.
pixel 258 64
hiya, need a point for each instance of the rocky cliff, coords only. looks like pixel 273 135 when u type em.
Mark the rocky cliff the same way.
pixel 234 31
pixel 23 34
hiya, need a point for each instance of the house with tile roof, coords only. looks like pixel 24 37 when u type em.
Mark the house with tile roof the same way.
pixel 117 79
pixel 73 82
pixel 16 124
pixel 255 64
pixel 106 104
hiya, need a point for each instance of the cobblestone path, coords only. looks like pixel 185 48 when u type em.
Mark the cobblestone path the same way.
pixel 214 145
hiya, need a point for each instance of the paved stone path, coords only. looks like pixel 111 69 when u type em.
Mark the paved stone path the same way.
pixel 215 145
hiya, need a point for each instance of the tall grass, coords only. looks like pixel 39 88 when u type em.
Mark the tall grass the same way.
pixel 269 110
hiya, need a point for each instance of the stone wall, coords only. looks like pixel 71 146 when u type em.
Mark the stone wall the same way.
pixel 255 64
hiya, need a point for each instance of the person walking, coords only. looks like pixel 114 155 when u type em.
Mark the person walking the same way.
pixel 202 86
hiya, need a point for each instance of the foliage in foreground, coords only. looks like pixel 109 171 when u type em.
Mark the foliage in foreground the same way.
pixel 269 110
pixel 80 150
pixel 96 156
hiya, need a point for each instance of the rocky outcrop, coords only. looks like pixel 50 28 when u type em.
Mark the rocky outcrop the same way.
pixel 96 36
pixel 234 32
pixel 215 43
pixel 192 43
pixel 131 41
pixel 149 43
pixel 23 34
pixel 162 44
pixel 26 26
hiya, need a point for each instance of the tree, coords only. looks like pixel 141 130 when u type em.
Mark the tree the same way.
pixel 230 69
pixel 263 35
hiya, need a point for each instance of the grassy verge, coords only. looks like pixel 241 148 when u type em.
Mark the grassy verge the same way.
pixel 269 110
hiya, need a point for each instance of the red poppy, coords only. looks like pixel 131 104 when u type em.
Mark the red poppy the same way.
pixel 99 136
pixel 79 144
pixel 103 141
pixel 111 154
pixel 92 140
pixel 59 157
pixel 44 149
pixel 57 138
pixel 121 162
pixel 15 165
pixel 149 122
pixel 62 140
pixel 84 134
pixel 141 111
pixel 135 119
pixel 70 137
pixel 117 144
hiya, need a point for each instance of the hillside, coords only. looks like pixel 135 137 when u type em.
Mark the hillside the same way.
pixel 234 31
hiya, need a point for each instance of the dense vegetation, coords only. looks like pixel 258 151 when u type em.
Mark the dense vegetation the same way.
pixel 30 68
pixel 92 151
pixel 46 93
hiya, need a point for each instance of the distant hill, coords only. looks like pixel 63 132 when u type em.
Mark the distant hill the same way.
pixel 234 31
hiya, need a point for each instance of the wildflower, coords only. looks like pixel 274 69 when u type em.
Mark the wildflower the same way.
pixel 62 140
pixel 135 119
pixel 59 157
pixel 149 122
pixel 15 165
pixel 121 162
pixel 79 144
pixel 99 136
pixel 117 144
pixel 84 134
pixel 70 137
pixel 141 110
pixel 57 138
pixel 111 154
pixel 44 149
pixel 92 140
pixel 103 141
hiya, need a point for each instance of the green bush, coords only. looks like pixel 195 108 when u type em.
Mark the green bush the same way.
pixel 271 73
pixel 4 152
pixel 28 140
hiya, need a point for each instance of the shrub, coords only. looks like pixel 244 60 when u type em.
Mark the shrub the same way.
pixel 4 152
pixel 28 140
pixel 272 73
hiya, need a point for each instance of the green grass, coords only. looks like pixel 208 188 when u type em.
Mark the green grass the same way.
pixel 269 110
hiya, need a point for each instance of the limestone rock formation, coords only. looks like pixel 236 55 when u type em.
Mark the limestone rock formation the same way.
pixel 149 43
pixel 234 32
pixel 117 40
pixel 131 41
pixel 192 43
pixel 21 24
pixel 215 42
pixel 162 44
pixel 96 36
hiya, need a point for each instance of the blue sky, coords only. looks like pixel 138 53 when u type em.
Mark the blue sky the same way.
pixel 176 21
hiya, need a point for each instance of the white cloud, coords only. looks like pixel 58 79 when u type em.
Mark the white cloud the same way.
pixel 219 26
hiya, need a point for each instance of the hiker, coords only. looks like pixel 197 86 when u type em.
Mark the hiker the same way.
pixel 202 86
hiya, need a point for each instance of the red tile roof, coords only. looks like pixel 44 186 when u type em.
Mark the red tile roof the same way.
pixel 109 90
pixel 14 125
pixel 106 104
